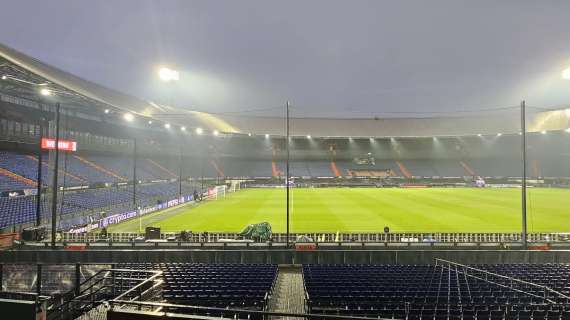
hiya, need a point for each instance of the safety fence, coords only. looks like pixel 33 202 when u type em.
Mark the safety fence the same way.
pixel 328 237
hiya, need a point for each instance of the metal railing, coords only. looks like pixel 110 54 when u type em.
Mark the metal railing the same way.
pixel 102 286
pixel 232 313
pixel 503 281
pixel 426 238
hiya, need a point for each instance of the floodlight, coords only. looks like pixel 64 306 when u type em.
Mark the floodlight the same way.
pixel 567 130
pixel 149 121
pixel 4 77
pixel 216 132
pixel 308 136
pixel 479 135
pixel 167 125
pixel 199 130
pixel 166 74
pixel 107 111
pixel 129 117
pixel 249 134
pixel 499 134
pixel 45 92
pixel 543 131
pixel 567 111
pixel 267 136
pixel 566 74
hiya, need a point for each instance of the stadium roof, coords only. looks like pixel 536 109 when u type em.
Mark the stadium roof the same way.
pixel 13 61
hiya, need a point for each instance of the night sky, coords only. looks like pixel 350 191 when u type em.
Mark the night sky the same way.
pixel 330 58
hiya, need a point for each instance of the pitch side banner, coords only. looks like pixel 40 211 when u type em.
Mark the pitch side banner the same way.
pixel 63 145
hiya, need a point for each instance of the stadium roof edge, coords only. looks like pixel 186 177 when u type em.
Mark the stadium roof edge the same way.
pixel 76 84
pixel 324 127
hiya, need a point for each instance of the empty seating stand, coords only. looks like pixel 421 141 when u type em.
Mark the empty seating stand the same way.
pixel 434 292
pixel 236 286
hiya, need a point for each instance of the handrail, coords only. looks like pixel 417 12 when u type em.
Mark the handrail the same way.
pixel 157 273
pixel 543 287
pixel 226 310
pixel 82 294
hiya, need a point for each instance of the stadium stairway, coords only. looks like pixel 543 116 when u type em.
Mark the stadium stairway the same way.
pixel 536 172
pixel 467 168
pixel 17 177
pixel 403 170
pixel 76 178
pixel 99 168
pixel 275 172
pixel 289 291
pixel 162 168
pixel 335 170
pixel 217 168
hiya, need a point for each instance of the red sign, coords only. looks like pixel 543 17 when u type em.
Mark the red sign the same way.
pixel 65 145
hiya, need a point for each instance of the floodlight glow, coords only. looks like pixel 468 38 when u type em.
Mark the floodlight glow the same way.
pixel 543 131
pixel 567 130
pixel 499 134
pixel 267 136
pixel 216 132
pixel 45 92
pixel 4 77
pixel 166 74
pixel 249 134
pixel 149 121
pixel 199 131
pixel 567 111
pixel 479 135
pixel 129 117
pixel 308 137
pixel 566 74
pixel 107 111
pixel 167 125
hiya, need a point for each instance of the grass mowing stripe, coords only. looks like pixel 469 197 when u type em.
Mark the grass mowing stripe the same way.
pixel 370 209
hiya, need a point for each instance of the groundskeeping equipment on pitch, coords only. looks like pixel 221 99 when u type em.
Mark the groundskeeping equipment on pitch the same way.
pixel 259 231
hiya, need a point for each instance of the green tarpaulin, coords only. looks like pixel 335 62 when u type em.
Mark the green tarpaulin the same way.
pixel 259 231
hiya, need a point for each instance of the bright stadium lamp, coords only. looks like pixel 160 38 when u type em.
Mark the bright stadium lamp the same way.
pixel 499 134
pixel 45 92
pixel 308 136
pixel 216 132
pixel 249 134
pixel 4 77
pixel 149 121
pixel 167 125
pixel 166 74
pixel 543 132
pixel 128 117
pixel 479 135
pixel 567 111
pixel 566 74
pixel 267 136
pixel 199 131
pixel 567 130
pixel 107 111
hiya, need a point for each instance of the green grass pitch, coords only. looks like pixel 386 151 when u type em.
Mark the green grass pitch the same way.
pixel 369 210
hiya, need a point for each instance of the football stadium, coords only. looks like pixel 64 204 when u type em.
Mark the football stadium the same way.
pixel 146 205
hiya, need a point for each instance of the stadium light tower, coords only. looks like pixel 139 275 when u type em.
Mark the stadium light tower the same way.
pixel 167 74
pixel 566 74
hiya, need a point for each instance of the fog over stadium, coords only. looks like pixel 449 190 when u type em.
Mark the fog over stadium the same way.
pixel 329 58
pixel 297 160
